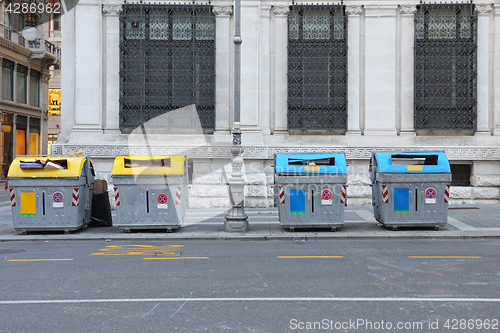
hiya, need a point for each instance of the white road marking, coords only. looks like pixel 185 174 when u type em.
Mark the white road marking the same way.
pixel 260 299
pixel 459 224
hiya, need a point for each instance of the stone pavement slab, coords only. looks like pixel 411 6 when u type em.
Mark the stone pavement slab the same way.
pixel 465 221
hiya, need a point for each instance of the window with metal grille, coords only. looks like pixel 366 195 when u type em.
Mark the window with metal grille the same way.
pixel 460 174
pixel 445 67
pixel 317 67
pixel 167 63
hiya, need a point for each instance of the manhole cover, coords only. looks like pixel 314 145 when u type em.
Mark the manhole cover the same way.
pixel 10 251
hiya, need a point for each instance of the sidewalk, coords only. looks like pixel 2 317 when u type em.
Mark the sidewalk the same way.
pixel 464 221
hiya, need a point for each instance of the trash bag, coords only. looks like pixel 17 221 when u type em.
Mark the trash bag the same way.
pixel 101 211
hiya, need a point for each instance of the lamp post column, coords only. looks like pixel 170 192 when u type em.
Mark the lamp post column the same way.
pixel 236 219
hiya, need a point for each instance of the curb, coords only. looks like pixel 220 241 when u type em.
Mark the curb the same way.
pixel 248 237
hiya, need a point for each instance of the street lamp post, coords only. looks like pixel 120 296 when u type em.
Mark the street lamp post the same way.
pixel 236 219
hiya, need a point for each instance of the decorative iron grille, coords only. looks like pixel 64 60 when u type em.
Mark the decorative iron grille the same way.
pixel 317 67
pixel 167 62
pixel 445 67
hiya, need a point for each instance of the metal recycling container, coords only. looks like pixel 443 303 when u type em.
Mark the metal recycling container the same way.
pixel 51 192
pixel 310 190
pixel 410 188
pixel 150 191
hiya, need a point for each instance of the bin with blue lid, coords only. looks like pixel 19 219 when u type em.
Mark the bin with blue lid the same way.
pixel 410 189
pixel 310 190
pixel 51 193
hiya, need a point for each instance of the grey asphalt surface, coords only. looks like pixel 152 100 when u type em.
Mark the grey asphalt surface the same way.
pixel 464 221
pixel 234 286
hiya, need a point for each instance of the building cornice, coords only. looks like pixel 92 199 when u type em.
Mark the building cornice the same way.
pixel 112 9
pixel 264 152
pixel 14 47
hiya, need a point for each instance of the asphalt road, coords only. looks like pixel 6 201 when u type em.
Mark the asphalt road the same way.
pixel 237 286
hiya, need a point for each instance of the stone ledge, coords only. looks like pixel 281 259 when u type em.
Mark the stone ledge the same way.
pixel 485 193
pixel 460 192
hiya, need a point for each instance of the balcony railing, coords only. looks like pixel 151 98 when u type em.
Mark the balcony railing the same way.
pixel 42 48
pixel 7 33
pixel 21 40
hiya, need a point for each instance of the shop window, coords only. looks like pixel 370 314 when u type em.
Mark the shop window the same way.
pixel 52 138
pixel 21 125
pixel 54 102
pixel 34 136
pixel 6 143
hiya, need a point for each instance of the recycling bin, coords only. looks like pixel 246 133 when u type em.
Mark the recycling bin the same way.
pixel 410 189
pixel 310 190
pixel 150 191
pixel 51 192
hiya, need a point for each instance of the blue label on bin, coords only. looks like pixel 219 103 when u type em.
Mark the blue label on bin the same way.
pixel 297 201
pixel 401 199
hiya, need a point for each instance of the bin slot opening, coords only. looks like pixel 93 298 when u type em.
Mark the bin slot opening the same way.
pixel 150 163
pixel 59 164
pixel 320 161
pixel 414 160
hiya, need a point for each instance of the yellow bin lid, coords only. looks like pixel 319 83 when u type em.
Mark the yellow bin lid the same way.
pixel 148 165
pixel 46 166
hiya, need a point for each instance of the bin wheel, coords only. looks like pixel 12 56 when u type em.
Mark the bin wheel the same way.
pixel 334 229
pixel 436 228
pixel 66 232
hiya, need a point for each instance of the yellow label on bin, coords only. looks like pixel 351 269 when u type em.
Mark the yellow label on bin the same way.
pixel 311 167
pixel 414 167
pixel 28 203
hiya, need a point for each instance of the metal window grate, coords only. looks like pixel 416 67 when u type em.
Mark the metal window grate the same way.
pixel 460 174
pixel 317 67
pixel 167 62
pixel 445 67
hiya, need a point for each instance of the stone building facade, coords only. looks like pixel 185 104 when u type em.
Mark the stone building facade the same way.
pixel 24 86
pixel 399 76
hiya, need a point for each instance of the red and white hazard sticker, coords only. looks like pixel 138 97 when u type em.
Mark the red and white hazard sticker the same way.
pixel 178 195
pixel 282 194
pixel 12 198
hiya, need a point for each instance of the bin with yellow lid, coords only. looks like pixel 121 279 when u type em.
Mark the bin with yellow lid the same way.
pixel 51 192
pixel 150 192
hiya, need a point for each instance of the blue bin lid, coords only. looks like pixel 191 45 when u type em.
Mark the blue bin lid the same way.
pixel 311 163
pixel 423 162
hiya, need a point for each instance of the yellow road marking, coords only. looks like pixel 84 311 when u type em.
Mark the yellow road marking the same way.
pixel 444 257
pixel 169 258
pixel 137 250
pixel 309 257
pixel 39 259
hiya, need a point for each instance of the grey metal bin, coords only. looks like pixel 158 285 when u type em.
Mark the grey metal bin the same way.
pixel 51 192
pixel 150 191
pixel 310 190
pixel 410 188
